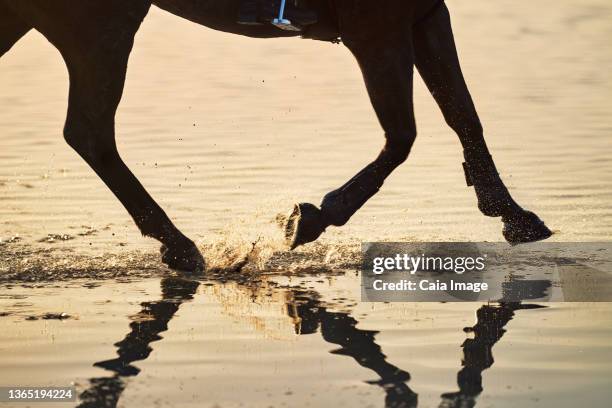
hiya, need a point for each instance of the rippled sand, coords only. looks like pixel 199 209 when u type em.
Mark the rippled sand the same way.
pixel 225 132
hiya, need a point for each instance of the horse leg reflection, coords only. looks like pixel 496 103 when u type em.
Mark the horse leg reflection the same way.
pixel 145 329
pixel 340 328
pixel 477 352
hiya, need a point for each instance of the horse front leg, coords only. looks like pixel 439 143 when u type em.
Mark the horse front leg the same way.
pixel 95 40
pixel 387 70
pixel 437 61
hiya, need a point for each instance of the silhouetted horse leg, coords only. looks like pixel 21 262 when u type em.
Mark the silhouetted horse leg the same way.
pixel 145 329
pixel 477 351
pixel 438 63
pixel 93 137
pixel 12 28
pixel 340 328
pixel 97 58
pixel 387 70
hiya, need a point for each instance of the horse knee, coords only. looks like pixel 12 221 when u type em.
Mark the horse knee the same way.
pixel 397 147
pixel 94 144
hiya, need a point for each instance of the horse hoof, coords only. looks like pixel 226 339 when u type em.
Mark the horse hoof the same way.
pixel 524 226
pixel 186 258
pixel 305 224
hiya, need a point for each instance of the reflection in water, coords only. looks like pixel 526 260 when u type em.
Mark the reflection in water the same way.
pixel 477 353
pixel 145 328
pixel 310 315
pixel 340 328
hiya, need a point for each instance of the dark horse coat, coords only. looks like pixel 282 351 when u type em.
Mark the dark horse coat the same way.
pixel 388 38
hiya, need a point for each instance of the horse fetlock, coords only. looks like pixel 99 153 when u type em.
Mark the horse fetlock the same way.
pixel 307 222
pixel 154 223
pixel 336 209
pixel 183 256
pixel 339 205
pixel 494 199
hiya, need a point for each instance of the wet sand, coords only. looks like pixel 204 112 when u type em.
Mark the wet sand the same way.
pixel 225 132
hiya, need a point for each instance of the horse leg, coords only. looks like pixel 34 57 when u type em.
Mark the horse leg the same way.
pixel 91 133
pixel 93 137
pixel 387 70
pixel 97 62
pixel 12 29
pixel 437 61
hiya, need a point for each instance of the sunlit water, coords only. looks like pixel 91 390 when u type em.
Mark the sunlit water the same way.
pixel 225 132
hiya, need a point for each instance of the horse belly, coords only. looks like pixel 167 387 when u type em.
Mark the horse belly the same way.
pixel 219 15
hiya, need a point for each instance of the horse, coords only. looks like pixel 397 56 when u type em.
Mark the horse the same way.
pixel 388 39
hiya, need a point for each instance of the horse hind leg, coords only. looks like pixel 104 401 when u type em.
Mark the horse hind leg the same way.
pixel 97 63
pixel 438 63
pixel 12 28
pixel 388 78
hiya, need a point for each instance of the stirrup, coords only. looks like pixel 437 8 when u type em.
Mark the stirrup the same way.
pixel 283 23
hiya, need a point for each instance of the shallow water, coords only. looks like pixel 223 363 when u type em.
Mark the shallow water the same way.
pixel 295 342
pixel 225 132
